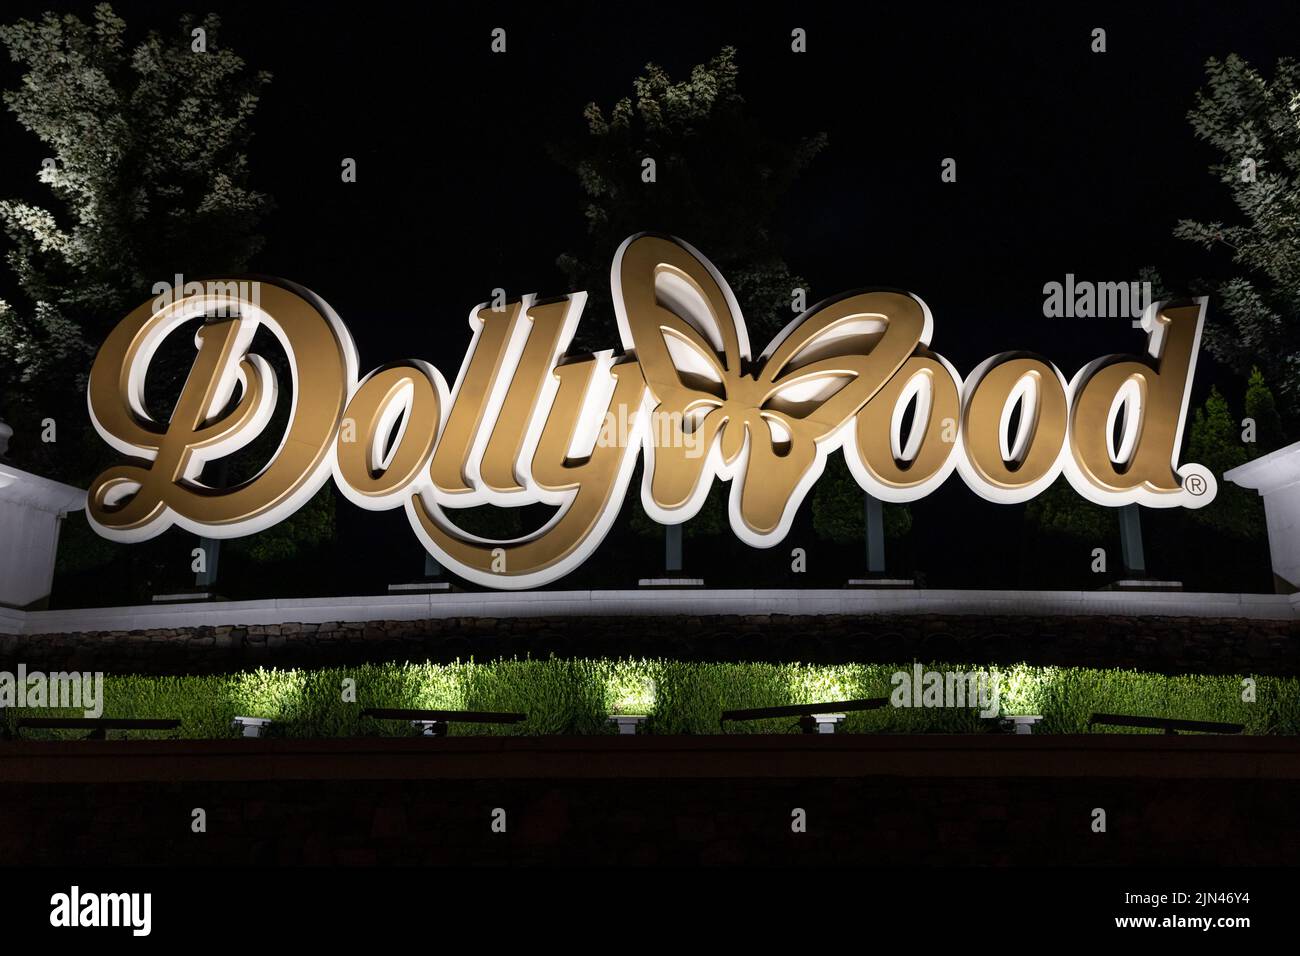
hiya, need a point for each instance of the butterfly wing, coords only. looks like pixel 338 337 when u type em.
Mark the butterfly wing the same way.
pixel 766 427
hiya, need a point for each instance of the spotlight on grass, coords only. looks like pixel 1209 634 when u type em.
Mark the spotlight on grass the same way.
pixel 630 697
pixel 630 693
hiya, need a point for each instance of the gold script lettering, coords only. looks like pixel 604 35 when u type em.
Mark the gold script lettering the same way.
pixel 528 424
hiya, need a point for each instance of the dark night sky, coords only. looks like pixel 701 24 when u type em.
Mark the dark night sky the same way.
pixel 1068 161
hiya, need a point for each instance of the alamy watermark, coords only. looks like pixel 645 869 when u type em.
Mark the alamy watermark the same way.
pixel 229 293
pixel 76 908
pixel 71 690
pixel 1073 299
pixel 922 688
pixel 668 430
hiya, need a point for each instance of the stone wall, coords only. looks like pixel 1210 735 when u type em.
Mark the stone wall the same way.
pixel 1163 644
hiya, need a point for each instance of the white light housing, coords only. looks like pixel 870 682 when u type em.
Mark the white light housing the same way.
pixel 1021 723
pixel 628 723
pixel 251 726
pixel 825 723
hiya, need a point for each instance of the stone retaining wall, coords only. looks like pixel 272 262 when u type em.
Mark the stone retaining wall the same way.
pixel 1164 644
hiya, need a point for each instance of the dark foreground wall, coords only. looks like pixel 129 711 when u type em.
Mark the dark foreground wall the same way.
pixel 647 800
pixel 1164 644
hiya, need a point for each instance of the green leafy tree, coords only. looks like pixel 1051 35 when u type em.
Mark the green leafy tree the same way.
pixel 147 169
pixel 148 174
pixel 1262 409
pixel 838 507
pixel 310 525
pixel 1215 441
pixel 719 182
pixel 1062 510
pixel 1254 123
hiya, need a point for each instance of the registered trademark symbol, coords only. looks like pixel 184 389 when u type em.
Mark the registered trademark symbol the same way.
pixel 1195 485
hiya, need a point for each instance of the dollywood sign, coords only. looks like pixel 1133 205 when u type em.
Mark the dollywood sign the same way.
pixel 526 423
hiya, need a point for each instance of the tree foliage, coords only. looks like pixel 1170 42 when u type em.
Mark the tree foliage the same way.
pixel 1254 123
pixel 1215 441
pixel 838 507
pixel 1062 510
pixel 1262 409
pixel 719 183
pixel 148 174
pixel 310 525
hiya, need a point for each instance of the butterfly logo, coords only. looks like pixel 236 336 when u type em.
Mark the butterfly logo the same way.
pixel 765 424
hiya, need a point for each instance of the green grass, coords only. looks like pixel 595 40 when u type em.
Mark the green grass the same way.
pixel 563 696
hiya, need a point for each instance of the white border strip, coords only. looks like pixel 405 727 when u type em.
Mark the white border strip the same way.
pixel 692 602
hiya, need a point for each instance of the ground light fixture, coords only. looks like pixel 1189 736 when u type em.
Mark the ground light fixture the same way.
pixel 1020 723
pixel 434 723
pixel 251 726
pixel 819 723
pixel 430 728
pixel 628 723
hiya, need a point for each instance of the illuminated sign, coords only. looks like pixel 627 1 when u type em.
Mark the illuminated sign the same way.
pixel 525 423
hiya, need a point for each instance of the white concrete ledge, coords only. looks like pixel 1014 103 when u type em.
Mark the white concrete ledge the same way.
pixel 1276 476
pixel 31 508
pixel 41 494
pixel 692 602
pixel 11 621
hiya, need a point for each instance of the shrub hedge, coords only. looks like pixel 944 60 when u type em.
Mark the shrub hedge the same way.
pixel 563 696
